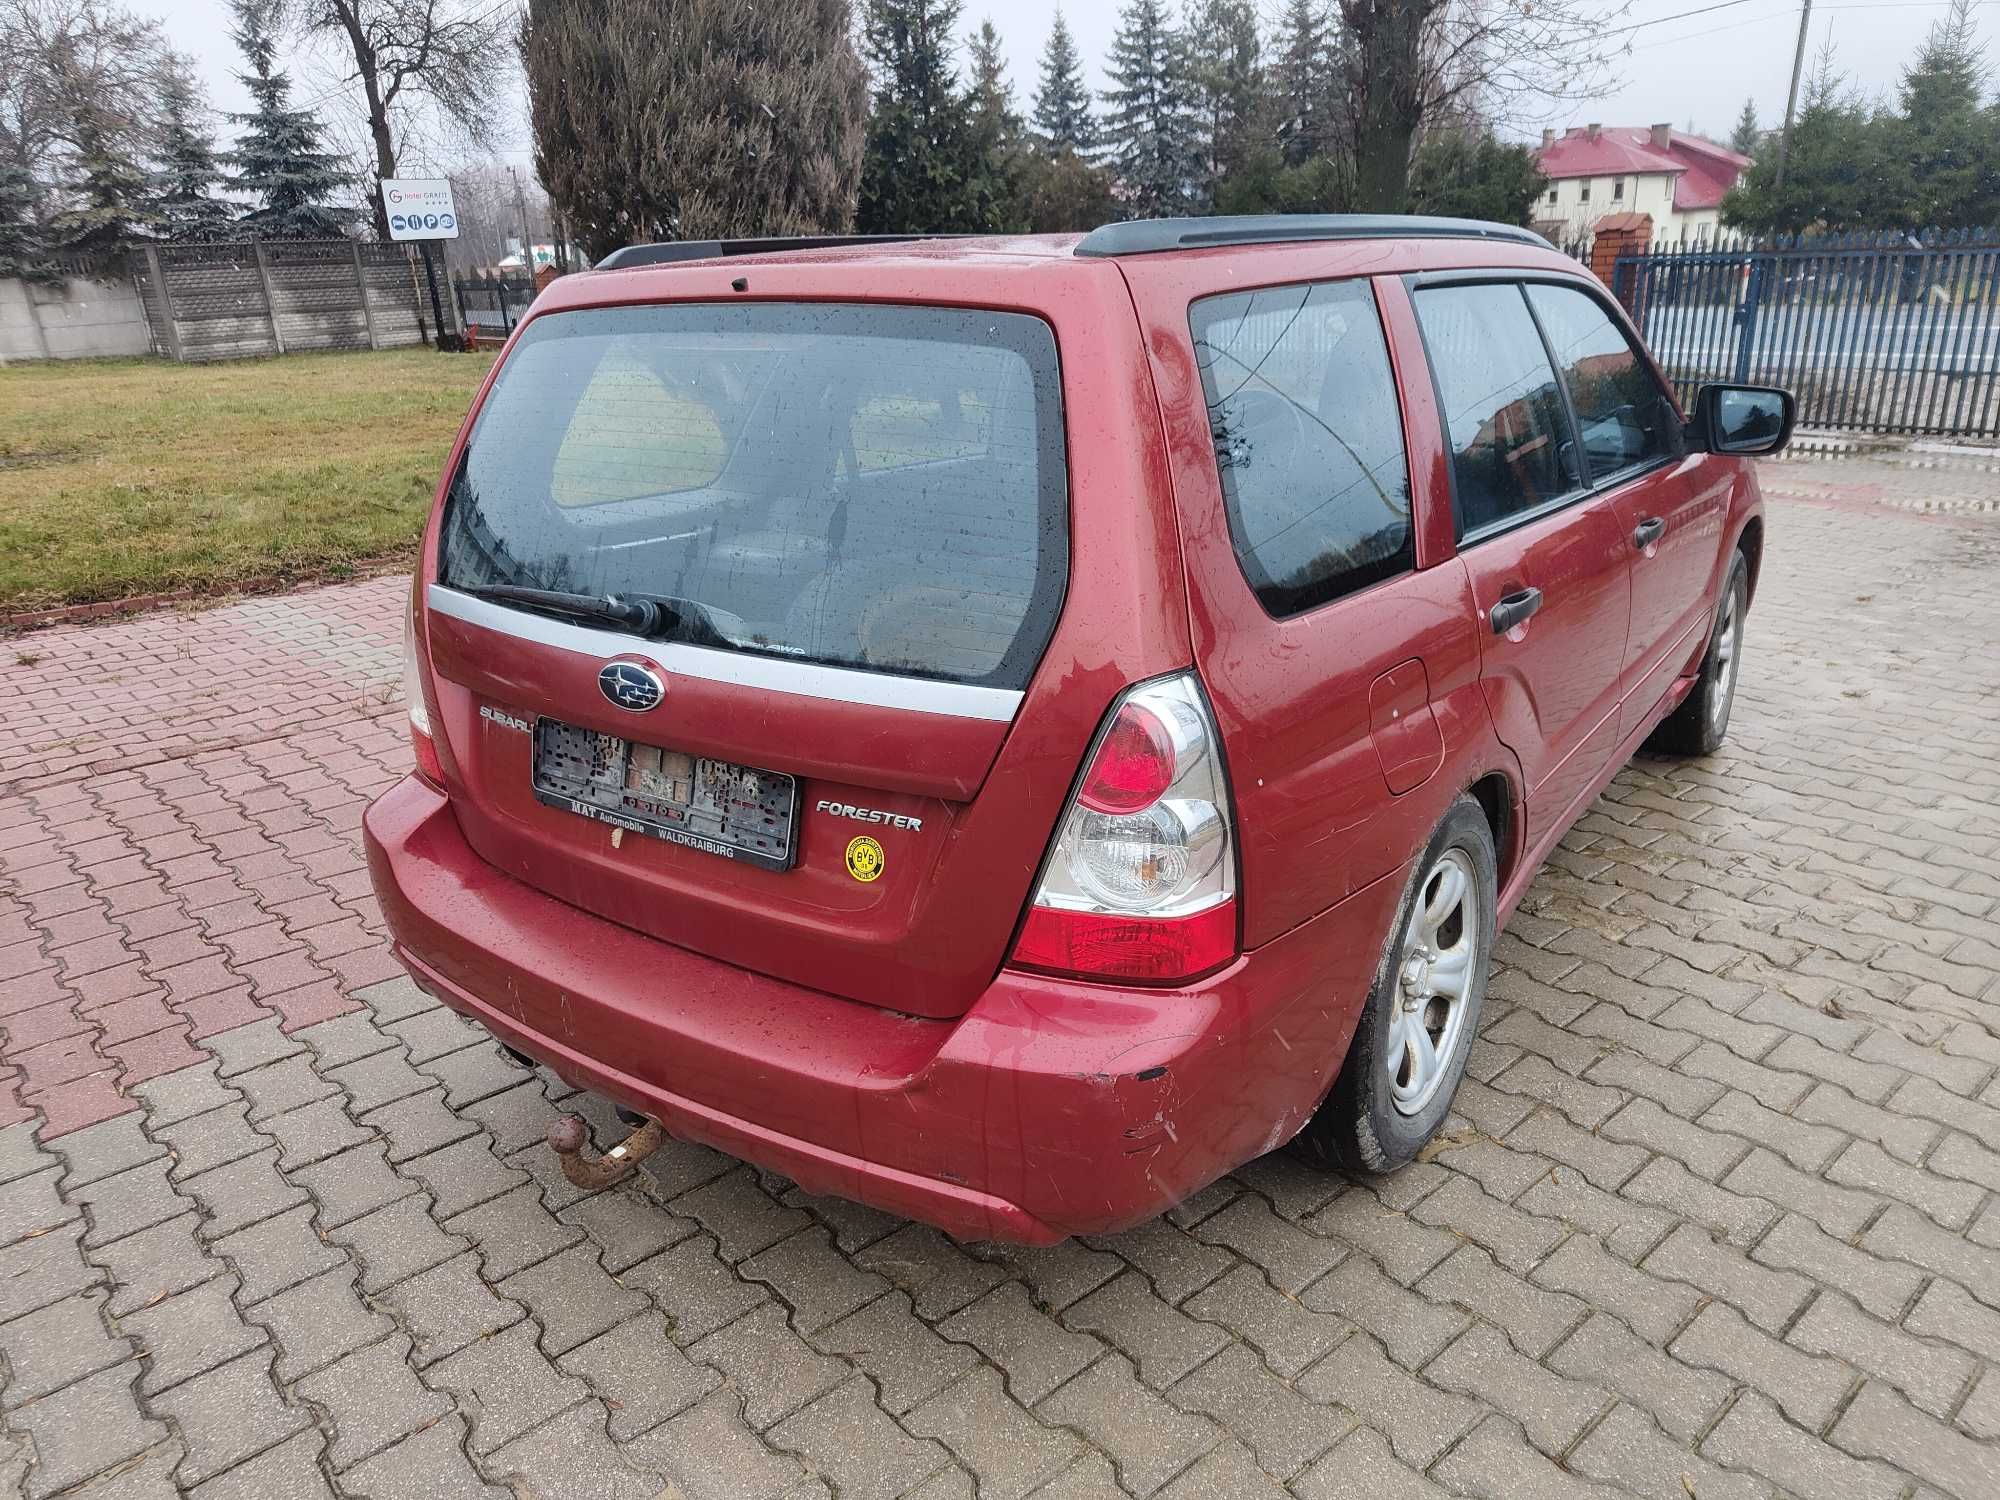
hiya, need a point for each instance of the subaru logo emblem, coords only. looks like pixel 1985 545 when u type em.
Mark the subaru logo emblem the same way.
pixel 631 686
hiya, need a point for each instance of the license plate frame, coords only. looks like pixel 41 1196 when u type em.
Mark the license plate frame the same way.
pixel 698 802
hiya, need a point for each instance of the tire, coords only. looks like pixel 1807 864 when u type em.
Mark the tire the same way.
pixel 1701 723
pixel 1397 1083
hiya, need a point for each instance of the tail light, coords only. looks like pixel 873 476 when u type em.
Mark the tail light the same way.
pixel 422 746
pixel 1140 884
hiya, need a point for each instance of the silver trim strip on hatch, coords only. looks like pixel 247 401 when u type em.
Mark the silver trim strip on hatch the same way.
pixel 960 700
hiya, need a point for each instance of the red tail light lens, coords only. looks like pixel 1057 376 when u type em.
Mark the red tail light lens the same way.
pixel 1140 885
pixel 423 748
pixel 1134 764
pixel 425 752
pixel 1145 950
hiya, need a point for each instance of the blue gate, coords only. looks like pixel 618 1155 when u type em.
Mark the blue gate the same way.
pixel 1871 333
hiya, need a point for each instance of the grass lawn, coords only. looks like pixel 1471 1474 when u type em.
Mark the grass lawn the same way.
pixel 122 477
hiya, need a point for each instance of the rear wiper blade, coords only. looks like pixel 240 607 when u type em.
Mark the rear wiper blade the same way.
pixel 641 616
pixel 653 616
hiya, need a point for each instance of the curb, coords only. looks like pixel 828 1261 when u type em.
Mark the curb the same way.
pixel 68 614
pixel 211 598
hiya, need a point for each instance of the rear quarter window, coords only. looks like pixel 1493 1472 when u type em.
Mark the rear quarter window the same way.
pixel 1308 439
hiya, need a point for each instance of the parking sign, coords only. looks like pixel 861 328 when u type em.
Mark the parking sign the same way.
pixel 420 208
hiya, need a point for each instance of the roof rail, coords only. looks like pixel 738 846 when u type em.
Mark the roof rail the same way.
pixel 1149 236
pixel 668 251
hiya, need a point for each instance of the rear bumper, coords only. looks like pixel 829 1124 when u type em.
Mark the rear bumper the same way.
pixel 1048 1109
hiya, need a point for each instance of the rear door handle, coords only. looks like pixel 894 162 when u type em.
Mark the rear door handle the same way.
pixel 1514 609
pixel 1648 532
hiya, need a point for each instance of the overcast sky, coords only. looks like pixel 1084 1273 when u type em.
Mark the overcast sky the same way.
pixel 1685 68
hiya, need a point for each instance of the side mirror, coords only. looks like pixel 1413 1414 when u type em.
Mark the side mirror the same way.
pixel 1742 419
pixel 1572 464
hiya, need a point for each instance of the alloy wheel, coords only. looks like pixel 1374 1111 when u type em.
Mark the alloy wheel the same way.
pixel 1439 956
pixel 1722 680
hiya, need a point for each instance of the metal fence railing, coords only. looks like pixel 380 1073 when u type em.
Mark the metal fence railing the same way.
pixel 490 306
pixel 1880 334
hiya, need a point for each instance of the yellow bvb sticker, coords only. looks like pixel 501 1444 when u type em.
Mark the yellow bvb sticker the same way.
pixel 864 858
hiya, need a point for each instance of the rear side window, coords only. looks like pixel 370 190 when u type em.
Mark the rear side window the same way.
pixel 856 485
pixel 1503 413
pixel 1308 439
pixel 1622 413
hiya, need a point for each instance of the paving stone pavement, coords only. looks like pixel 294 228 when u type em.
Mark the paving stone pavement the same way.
pixel 1718 1213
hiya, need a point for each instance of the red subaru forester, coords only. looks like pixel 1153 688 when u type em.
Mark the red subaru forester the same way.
pixel 1007 730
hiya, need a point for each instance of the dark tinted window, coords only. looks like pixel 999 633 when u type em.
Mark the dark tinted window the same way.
pixel 1622 414
pixel 1503 413
pixel 1308 437
pixel 864 486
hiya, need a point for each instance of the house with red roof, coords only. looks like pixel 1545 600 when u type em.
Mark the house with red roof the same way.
pixel 1675 178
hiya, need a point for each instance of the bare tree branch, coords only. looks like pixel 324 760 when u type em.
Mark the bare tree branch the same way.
pixel 63 57
pixel 1412 65
pixel 442 59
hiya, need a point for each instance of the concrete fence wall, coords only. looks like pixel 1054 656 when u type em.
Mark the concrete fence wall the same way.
pixel 236 300
pixel 218 301
pixel 78 318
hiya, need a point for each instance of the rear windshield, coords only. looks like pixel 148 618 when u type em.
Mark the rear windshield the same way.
pixel 859 485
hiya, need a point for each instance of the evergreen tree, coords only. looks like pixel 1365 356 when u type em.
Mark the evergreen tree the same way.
pixel 279 156
pixel 706 119
pixel 1475 175
pixel 109 193
pixel 1944 144
pixel 1265 185
pixel 920 170
pixel 998 131
pixel 1150 127
pixel 1225 65
pixel 992 95
pixel 1305 81
pixel 187 206
pixel 1747 135
pixel 1834 174
pixel 1064 192
pixel 1063 120
pixel 1288 158
pixel 24 246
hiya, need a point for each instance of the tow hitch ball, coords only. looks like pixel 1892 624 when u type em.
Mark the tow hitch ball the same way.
pixel 569 1138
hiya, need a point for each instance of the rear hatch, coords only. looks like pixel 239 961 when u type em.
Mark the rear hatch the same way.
pixel 851 525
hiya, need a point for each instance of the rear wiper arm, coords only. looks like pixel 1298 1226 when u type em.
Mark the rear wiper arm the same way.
pixel 691 621
pixel 642 614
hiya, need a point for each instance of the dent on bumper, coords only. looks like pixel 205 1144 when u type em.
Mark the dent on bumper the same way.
pixel 1049 1109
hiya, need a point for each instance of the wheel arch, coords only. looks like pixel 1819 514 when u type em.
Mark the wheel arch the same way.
pixel 1495 794
pixel 1750 542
